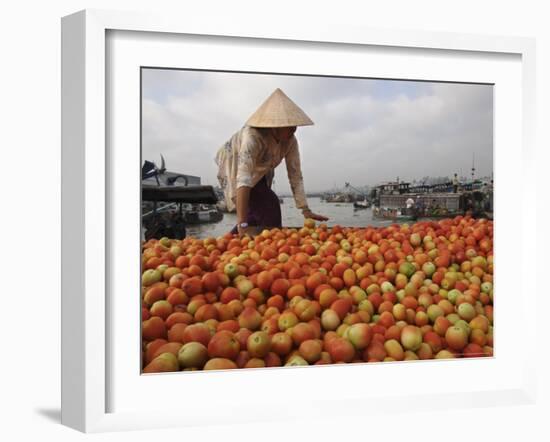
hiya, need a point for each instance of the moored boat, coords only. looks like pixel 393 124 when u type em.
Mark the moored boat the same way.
pixel 361 205
pixel 203 214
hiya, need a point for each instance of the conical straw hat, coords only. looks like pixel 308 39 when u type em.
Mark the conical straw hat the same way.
pixel 279 111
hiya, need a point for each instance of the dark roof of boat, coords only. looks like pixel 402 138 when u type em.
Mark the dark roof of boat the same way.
pixel 179 194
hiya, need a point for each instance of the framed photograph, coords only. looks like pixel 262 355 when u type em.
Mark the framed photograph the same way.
pixel 361 274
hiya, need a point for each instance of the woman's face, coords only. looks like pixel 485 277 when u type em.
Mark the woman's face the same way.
pixel 283 133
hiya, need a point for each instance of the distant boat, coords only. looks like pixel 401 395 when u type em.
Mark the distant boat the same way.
pixel 392 214
pixel 361 205
pixel 203 214
pixel 340 198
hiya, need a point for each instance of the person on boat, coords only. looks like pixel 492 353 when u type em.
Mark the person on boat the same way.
pixel 419 206
pixel 246 164
pixel 455 183
pixel 409 205
pixel 434 207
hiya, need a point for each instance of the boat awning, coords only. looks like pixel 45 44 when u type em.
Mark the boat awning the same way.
pixel 179 194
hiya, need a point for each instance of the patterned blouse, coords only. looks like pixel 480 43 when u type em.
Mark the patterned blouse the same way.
pixel 252 153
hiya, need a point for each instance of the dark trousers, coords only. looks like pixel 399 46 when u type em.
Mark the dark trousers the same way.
pixel 264 209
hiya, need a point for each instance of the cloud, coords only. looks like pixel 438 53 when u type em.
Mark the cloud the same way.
pixel 365 132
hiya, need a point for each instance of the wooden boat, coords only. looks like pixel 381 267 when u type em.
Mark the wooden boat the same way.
pixel 361 205
pixel 167 206
pixel 202 215
pixel 392 214
pixel 163 212
pixel 340 198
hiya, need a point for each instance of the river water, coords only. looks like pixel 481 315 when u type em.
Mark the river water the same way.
pixel 338 213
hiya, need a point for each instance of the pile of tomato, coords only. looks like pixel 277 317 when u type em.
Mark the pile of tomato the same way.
pixel 318 295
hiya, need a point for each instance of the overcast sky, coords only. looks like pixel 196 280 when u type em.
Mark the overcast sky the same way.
pixel 365 132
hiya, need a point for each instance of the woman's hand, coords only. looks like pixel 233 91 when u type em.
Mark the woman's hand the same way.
pixel 243 231
pixel 310 214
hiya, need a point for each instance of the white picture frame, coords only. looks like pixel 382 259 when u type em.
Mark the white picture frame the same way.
pixel 87 232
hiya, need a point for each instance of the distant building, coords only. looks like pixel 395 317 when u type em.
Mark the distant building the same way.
pixel 394 188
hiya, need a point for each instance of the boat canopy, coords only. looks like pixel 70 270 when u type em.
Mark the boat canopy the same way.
pixel 179 194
